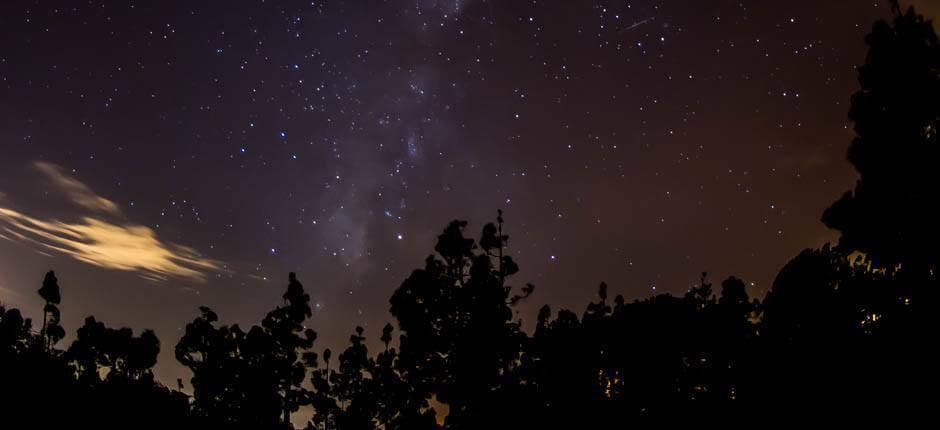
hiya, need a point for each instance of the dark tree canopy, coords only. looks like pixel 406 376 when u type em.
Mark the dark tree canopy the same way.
pixel 256 377
pixel 458 337
pixel 827 323
pixel 116 353
pixel 892 213
pixel 104 379
pixel 50 289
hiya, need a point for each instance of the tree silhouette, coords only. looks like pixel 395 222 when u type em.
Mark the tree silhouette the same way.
pixel 458 340
pixel 391 389
pixel 212 354
pixel 354 387
pixel 891 214
pixel 51 331
pixel 254 378
pixel 321 397
pixel 103 380
pixel 15 334
pixel 290 342
pixel 827 323
pixel 116 353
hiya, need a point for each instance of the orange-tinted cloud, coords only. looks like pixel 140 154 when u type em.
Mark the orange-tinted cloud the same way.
pixel 120 245
pixel 78 192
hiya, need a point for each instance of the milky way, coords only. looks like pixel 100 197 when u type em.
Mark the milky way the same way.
pixel 165 155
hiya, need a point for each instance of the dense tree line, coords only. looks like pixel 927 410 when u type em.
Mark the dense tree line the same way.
pixel 831 336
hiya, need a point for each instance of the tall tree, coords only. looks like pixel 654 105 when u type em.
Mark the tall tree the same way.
pixel 354 386
pixel 213 354
pixel 290 343
pixel 254 378
pixel 116 353
pixel 459 341
pixel 892 213
pixel 51 331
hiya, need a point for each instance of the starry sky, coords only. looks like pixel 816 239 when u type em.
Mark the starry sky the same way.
pixel 162 155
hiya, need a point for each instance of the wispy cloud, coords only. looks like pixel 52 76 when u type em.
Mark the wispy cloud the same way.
pixel 78 192
pixel 113 244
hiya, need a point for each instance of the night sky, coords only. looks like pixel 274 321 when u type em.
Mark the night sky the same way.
pixel 162 155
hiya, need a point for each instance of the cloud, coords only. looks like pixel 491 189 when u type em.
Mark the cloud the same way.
pixel 120 245
pixel 78 192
